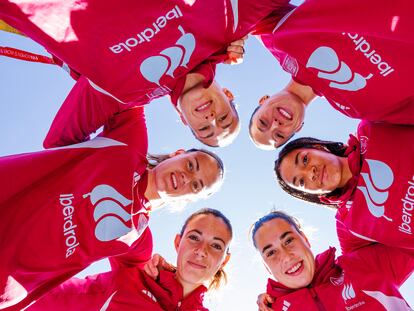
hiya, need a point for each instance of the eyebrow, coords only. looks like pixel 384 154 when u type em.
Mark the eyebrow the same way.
pixel 281 238
pixel 296 163
pixel 197 165
pixel 214 238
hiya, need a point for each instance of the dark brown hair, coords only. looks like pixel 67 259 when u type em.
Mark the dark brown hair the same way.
pixel 336 148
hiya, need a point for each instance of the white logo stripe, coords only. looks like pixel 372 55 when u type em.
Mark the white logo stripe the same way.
pixel 97 142
pixel 107 302
pixel 390 303
pixel 235 9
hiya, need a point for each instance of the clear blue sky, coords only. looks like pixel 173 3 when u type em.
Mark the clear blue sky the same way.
pixel 32 93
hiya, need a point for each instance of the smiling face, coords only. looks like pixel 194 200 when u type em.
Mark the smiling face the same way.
pixel 202 249
pixel 286 253
pixel 187 175
pixel 277 119
pixel 312 171
pixel 209 114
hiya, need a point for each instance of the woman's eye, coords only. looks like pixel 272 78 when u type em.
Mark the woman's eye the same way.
pixel 217 246
pixel 301 182
pixel 270 253
pixel 288 241
pixel 190 166
pixel 204 128
pixel 193 237
pixel 305 160
pixel 222 118
pixel 262 123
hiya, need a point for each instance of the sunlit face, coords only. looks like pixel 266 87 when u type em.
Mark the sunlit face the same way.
pixel 187 175
pixel 286 253
pixel 202 249
pixel 277 119
pixel 312 170
pixel 209 113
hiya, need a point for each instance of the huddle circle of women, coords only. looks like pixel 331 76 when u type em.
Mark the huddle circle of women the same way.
pixel 117 185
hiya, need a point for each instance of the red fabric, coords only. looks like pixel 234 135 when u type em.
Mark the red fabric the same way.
pixel 65 208
pixel 367 279
pixel 318 39
pixel 379 208
pixel 122 289
pixel 144 51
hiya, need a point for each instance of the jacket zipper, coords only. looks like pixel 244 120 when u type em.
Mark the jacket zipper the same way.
pixel 316 299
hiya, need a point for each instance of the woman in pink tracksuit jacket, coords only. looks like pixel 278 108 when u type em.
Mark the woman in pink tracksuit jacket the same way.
pixel 366 279
pixel 355 54
pixel 202 251
pixel 144 49
pixel 369 181
pixel 64 208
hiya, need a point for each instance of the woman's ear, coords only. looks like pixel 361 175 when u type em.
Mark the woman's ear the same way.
pixel 176 153
pixel 228 93
pixel 226 260
pixel 263 99
pixel 177 241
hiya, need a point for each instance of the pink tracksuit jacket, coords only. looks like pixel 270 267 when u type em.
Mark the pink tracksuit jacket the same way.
pixel 64 208
pixel 124 289
pixel 357 54
pixel 377 204
pixel 365 280
pixel 134 52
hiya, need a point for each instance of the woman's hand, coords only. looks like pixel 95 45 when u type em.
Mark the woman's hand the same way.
pixel 235 52
pixel 264 301
pixel 157 263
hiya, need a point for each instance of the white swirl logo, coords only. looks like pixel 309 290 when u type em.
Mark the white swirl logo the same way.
pixel 348 292
pixel 155 67
pixel 377 182
pixel 330 68
pixel 109 212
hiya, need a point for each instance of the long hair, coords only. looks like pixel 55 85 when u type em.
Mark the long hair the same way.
pixel 220 278
pixel 336 148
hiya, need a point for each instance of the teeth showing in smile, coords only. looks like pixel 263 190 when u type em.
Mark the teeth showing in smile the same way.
pixel 203 106
pixel 174 180
pixel 284 113
pixel 294 268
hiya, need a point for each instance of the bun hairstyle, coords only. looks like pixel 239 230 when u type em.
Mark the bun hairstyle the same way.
pixel 336 148
pixel 220 278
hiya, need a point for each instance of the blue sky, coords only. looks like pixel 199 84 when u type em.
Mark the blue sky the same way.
pixel 31 94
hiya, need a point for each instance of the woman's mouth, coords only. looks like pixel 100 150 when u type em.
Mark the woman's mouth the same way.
pixel 323 175
pixel 296 269
pixel 174 181
pixel 286 114
pixel 196 265
pixel 204 106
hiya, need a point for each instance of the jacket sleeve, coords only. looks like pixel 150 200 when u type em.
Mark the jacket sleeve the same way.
pixel 82 113
pixel 348 241
pixel 90 293
pixel 129 127
pixel 268 24
pixel 393 263
pixel 139 254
